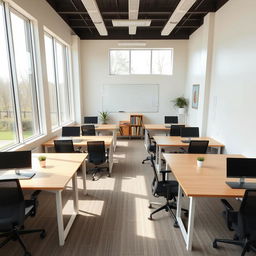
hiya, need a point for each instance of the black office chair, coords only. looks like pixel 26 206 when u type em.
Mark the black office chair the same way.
pixel 90 120
pixel 70 131
pixel 97 156
pixel 65 146
pixel 198 146
pixel 175 129
pixel 189 132
pixel 170 119
pixel 167 189
pixel 151 149
pixel 13 212
pixel 88 130
pixel 243 222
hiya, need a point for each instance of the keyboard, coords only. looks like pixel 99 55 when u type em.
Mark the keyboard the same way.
pixel 24 174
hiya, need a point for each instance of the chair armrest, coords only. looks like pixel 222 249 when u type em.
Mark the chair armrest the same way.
pixel 164 172
pixel 229 214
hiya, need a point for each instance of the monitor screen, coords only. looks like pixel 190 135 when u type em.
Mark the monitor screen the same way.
pixel 241 167
pixel 71 131
pixel 15 160
pixel 90 119
pixel 170 119
pixel 189 132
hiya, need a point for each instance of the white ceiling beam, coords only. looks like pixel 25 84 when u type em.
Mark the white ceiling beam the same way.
pixel 133 6
pixel 177 15
pixel 95 15
pixel 127 23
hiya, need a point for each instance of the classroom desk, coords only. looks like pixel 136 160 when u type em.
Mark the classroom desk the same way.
pixel 196 182
pixel 156 129
pixel 82 142
pixel 60 169
pixel 108 127
pixel 175 141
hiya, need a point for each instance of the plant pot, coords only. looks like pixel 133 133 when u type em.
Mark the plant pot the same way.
pixel 43 163
pixel 200 163
pixel 181 111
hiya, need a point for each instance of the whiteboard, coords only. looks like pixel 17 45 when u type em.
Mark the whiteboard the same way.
pixel 130 98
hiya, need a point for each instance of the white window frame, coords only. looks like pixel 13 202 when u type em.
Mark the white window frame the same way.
pixel 151 64
pixel 13 77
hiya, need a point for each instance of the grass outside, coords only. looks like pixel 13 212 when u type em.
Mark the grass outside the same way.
pixel 9 135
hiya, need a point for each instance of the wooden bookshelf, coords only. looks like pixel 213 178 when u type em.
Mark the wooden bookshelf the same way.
pixel 132 128
pixel 136 125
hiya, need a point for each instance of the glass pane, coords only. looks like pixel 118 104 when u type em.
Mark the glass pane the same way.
pixel 25 75
pixel 61 59
pixel 119 62
pixel 51 80
pixel 7 116
pixel 162 62
pixel 140 61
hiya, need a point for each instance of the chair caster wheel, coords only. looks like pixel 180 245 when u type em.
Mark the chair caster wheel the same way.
pixel 27 254
pixel 150 206
pixel 176 225
pixel 214 244
pixel 42 234
pixel 93 179
pixel 186 214
pixel 150 217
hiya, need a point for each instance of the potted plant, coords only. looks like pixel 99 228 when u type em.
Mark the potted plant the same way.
pixel 104 116
pixel 180 103
pixel 200 161
pixel 42 161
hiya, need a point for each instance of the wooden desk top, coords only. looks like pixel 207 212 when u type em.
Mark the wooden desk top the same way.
pixel 156 127
pixel 207 181
pixel 175 141
pixel 106 127
pixel 82 140
pixel 60 167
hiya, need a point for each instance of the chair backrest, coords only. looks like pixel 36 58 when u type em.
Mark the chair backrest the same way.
pixel 247 213
pixel 64 146
pixel 12 205
pixel 198 146
pixel 170 119
pixel 88 130
pixel 90 120
pixel 96 151
pixel 189 132
pixel 69 131
pixel 175 129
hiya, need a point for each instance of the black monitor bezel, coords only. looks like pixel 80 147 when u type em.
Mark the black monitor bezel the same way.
pixel 175 122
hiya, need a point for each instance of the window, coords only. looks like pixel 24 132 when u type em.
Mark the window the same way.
pixel 19 109
pixel 141 61
pixel 58 81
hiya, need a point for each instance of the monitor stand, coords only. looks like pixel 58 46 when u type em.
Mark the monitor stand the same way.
pixel 241 184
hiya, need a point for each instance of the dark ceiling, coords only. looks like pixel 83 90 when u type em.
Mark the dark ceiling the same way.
pixel 159 11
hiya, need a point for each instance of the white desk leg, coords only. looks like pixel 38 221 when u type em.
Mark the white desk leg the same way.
pixel 187 234
pixel 219 150
pixel 110 158
pixel 60 218
pixel 46 149
pixel 114 138
pixel 146 142
pixel 63 232
pixel 83 166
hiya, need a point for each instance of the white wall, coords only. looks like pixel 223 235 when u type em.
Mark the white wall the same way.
pixel 230 76
pixel 95 73
pixel 233 85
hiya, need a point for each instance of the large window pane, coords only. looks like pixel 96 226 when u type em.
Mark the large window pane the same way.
pixel 51 80
pixel 119 62
pixel 25 74
pixel 140 61
pixel 162 62
pixel 61 58
pixel 8 135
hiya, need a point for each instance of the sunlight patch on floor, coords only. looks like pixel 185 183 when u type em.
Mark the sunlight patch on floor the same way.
pixel 104 183
pixel 136 186
pixel 122 143
pixel 91 207
pixel 122 156
pixel 144 227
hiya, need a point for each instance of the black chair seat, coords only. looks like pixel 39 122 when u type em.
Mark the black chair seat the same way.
pixel 163 186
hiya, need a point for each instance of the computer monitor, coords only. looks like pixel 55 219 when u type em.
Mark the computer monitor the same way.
pixel 170 119
pixel 90 119
pixel 241 168
pixel 189 132
pixel 71 131
pixel 16 160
